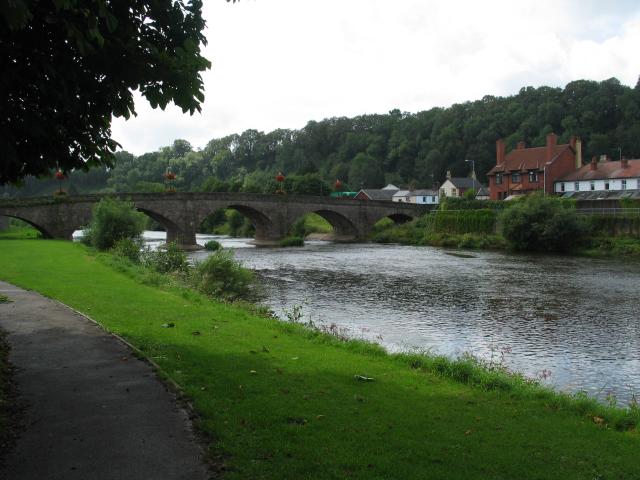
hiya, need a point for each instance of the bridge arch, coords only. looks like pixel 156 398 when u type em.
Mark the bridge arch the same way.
pixel 43 230
pixel 265 229
pixel 171 228
pixel 343 227
pixel 399 218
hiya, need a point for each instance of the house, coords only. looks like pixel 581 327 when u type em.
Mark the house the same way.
pixel 456 186
pixel 385 193
pixel 483 193
pixel 424 197
pixel 401 196
pixel 602 180
pixel 524 170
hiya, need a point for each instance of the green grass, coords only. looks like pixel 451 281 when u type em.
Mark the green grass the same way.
pixel 292 242
pixel 19 233
pixel 612 247
pixel 314 223
pixel 282 402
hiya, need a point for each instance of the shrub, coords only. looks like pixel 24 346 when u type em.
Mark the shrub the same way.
pixel 459 222
pixel 127 248
pixel 537 223
pixel 221 275
pixel 169 258
pixel 292 242
pixel 113 220
pixel 212 245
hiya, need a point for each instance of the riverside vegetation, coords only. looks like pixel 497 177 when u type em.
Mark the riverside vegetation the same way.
pixel 282 399
pixel 533 223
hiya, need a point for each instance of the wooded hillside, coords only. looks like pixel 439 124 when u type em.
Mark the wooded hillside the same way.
pixel 371 150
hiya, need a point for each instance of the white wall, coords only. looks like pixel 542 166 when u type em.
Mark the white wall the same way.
pixel 425 199
pixel 585 186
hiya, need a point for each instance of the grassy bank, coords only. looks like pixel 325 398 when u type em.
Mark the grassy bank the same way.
pixel 284 402
pixel 480 229
pixel 19 233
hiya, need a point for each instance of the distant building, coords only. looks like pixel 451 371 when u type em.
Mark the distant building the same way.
pixel 602 180
pixel 456 186
pixel 401 196
pixel 483 193
pixel 424 197
pixel 385 194
pixel 525 170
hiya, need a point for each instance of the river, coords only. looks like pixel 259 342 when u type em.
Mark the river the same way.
pixel 575 318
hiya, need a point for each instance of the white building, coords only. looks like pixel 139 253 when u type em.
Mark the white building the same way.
pixel 603 176
pixel 401 196
pixel 424 197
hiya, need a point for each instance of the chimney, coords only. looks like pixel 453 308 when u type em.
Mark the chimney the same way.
pixel 572 141
pixel 448 174
pixel 577 146
pixel 551 145
pixel 499 151
pixel 521 145
pixel 624 163
pixel 594 164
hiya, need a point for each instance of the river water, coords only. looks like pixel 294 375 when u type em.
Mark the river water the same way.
pixel 575 318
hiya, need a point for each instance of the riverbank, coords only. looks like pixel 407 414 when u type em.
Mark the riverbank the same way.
pixel 416 234
pixel 285 402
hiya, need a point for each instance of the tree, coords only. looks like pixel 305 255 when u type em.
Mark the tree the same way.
pixel 113 220
pixel 539 223
pixel 68 66
pixel 365 172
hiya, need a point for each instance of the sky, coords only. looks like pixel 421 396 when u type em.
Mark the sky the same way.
pixel 281 63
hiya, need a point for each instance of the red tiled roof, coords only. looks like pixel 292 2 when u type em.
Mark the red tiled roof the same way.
pixel 524 159
pixel 611 169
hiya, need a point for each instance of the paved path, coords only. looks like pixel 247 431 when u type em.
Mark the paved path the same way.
pixel 93 410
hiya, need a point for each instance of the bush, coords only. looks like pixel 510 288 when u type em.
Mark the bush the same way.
pixel 212 245
pixel 127 248
pixel 113 220
pixel 537 223
pixel 292 242
pixel 169 258
pixel 221 275
pixel 459 222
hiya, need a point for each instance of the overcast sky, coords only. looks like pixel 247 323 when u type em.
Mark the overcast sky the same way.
pixel 280 63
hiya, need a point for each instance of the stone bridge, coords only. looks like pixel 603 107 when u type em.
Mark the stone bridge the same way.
pixel 182 213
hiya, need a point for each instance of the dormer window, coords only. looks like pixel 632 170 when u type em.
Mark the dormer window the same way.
pixel 498 179
pixel 515 178
pixel 533 176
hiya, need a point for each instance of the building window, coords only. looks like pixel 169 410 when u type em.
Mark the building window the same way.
pixel 443 193
pixel 424 199
pixel 576 186
pixel 624 184
pixel 562 187
pixel 498 179
pixel 533 176
pixel 606 185
pixel 433 199
pixel 592 185
pixel 454 192
pixel 515 178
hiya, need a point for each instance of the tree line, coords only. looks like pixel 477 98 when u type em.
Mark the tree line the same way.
pixel 369 151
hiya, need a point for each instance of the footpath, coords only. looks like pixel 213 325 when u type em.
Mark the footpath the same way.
pixel 92 410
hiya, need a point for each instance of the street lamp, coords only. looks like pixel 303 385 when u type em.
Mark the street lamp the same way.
pixel 473 167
